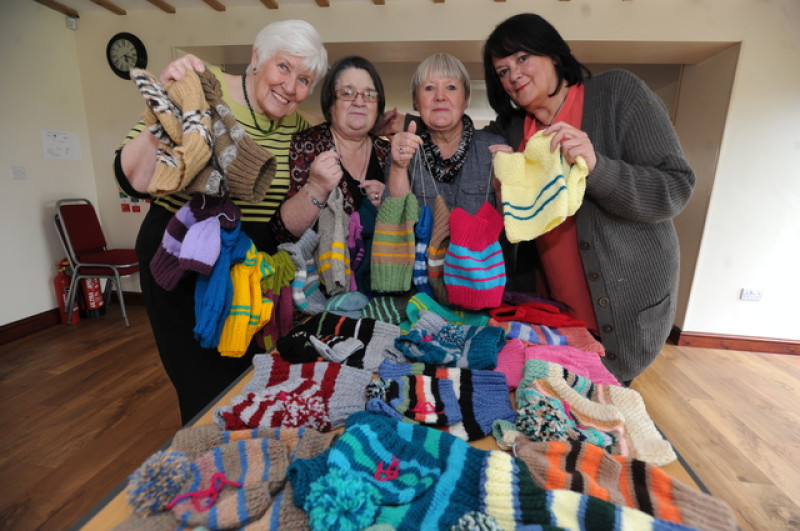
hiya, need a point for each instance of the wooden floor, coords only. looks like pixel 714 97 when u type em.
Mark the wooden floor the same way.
pixel 82 407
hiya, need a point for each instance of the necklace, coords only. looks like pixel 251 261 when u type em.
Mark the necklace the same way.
pixel 557 110
pixel 252 112
pixel 365 159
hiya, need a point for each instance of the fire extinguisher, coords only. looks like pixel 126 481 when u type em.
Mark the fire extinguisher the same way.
pixel 92 302
pixel 61 284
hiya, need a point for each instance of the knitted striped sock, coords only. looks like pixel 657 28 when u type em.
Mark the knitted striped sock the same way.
pixel 474 269
pixel 393 244
pixel 423 236
pixel 437 249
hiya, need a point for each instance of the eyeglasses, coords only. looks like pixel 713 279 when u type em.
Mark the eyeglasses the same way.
pixel 349 94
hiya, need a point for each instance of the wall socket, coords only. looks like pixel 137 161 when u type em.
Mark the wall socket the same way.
pixel 751 294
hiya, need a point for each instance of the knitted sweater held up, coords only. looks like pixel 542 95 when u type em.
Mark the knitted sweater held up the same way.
pixel 626 236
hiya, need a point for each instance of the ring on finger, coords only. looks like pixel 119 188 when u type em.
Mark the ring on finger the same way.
pixel 375 196
pixel 401 149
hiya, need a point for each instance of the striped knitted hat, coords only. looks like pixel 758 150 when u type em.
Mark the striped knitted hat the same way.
pixel 387 308
pixel 306 292
pixel 474 269
pixel 482 395
pixel 588 469
pixel 417 398
pixel 393 244
pixel 319 395
pixel 423 237
pixel 420 302
pixel 437 249
pixel 332 254
pixel 540 190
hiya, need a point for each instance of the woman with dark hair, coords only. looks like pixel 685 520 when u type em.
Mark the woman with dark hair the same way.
pixel 615 262
pixel 341 152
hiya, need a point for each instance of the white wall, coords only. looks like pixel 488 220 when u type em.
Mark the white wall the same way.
pixel 752 226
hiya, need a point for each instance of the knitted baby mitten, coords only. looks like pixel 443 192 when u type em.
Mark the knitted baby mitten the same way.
pixel 393 244
pixel 437 249
pixel 190 149
pixel 482 395
pixel 228 486
pixel 306 291
pixel 422 231
pixel 540 190
pixel 474 269
pixel 333 256
pixel 250 310
pixel 417 398
pixel 241 166
pixel 355 246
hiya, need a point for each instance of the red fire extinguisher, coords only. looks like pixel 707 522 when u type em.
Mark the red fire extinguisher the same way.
pixel 92 302
pixel 61 284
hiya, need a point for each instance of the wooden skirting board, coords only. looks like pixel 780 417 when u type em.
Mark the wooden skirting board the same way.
pixel 728 342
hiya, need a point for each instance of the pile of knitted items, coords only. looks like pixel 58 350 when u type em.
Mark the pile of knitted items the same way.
pixel 213 293
pixel 280 394
pixel 573 336
pixel 609 416
pixel 474 268
pixel 256 460
pixel 306 290
pixel 512 357
pixel 362 343
pixel 178 115
pixel 589 469
pixel 385 471
pixel 332 254
pixel 539 188
pixel 239 166
pixel 481 397
pixel 250 310
pixel 393 244
pixel 191 241
pixel 434 341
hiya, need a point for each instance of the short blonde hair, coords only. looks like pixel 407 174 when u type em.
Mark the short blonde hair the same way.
pixel 439 65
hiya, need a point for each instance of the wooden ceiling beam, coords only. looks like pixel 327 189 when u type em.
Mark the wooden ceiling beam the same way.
pixel 111 6
pixel 271 4
pixel 163 6
pixel 216 6
pixel 324 3
pixel 379 2
pixel 61 8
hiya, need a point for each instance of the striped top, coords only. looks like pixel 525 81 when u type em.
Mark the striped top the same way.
pixel 278 142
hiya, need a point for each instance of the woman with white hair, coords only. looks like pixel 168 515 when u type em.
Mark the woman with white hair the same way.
pixel 288 59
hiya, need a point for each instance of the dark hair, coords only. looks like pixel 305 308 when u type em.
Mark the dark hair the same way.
pixel 527 32
pixel 327 96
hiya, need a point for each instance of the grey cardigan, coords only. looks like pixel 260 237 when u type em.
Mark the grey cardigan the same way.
pixel 626 236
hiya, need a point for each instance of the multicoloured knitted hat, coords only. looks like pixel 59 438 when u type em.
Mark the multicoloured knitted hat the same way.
pixel 280 394
pixel 422 231
pixel 306 292
pixel 474 268
pixel 417 398
pixel 387 308
pixel 540 190
pixel 421 302
pixel 393 244
pixel 332 254
pixel 437 249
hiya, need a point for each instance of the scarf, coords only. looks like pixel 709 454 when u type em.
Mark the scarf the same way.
pixel 433 156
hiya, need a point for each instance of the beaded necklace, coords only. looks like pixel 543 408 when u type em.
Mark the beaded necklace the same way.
pixel 252 112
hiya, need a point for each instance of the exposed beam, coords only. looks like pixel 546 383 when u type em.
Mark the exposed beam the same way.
pixel 379 2
pixel 324 3
pixel 163 6
pixel 216 6
pixel 271 4
pixel 111 6
pixel 438 1
pixel 61 8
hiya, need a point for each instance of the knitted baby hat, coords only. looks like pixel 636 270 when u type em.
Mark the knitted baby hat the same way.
pixel 355 246
pixel 422 231
pixel 437 249
pixel 184 151
pixel 482 395
pixel 393 244
pixel 319 395
pixel 367 213
pixel 539 189
pixel 349 304
pixel 241 166
pixel 420 303
pixel 436 342
pixel 306 292
pixel 416 398
pixel 387 308
pixel 229 486
pixel 332 254
pixel 586 468
pixel 474 269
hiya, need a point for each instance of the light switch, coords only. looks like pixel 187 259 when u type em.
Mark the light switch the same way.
pixel 18 173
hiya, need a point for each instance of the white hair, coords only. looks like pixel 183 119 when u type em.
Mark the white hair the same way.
pixel 293 37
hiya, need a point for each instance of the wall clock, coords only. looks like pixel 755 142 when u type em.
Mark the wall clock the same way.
pixel 125 51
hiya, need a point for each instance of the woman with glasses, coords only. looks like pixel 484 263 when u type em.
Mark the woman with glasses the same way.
pixel 444 155
pixel 341 152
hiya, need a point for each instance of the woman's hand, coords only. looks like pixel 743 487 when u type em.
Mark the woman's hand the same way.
pixel 373 190
pixel 404 145
pixel 389 123
pixel 573 142
pixel 177 68
pixel 325 173
pixel 494 149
